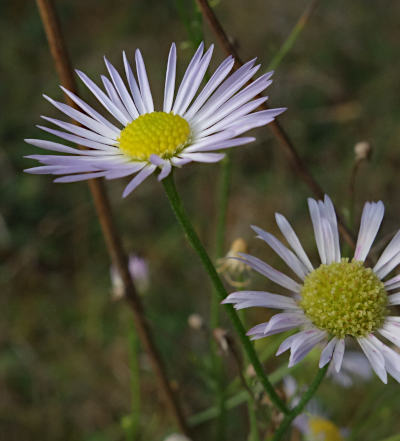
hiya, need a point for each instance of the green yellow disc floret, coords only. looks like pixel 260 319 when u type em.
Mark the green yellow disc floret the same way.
pixel 160 133
pixel 344 298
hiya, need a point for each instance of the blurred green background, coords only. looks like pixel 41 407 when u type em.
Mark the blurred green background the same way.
pixel 64 350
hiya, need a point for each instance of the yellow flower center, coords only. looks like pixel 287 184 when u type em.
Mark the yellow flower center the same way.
pixel 344 298
pixel 323 430
pixel 159 133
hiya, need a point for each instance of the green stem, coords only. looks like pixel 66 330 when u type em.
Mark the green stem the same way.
pixel 299 408
pixel 176 204
pixel 135 385
pixel 222 203
pixel 292 37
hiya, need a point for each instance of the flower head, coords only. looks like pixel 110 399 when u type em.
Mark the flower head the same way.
pixel 135 139
pixel 339 299
pixel 312 423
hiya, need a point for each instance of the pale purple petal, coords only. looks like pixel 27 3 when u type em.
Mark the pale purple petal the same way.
pixel 293 240
pixel 338 354
pixel 218 76
pixel 271 273
pixel 260 299
pixel 170 75
pixel 370 222
pixel 374 355
pixel 138 179
pixel 327 353
pixel 122 90
pixel 143 82
pixel 203 157
pixel 317 225
pixel 391 331
pixel 283 252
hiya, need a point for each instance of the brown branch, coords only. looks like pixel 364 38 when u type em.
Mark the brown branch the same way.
pixel 112 238
pixel 280 134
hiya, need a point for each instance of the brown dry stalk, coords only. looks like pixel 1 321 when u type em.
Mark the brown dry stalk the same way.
pixel 296 162
pixel 103 209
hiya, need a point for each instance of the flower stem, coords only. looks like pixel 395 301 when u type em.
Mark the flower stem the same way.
pixel 180 213
pixel 135 384
pixel 299 408
pixel 222 204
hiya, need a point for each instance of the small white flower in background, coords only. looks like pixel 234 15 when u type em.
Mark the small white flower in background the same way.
pixel 338 299
pixel 313 424
pixel 139 271
pixel 176 437
pixel 234 270
pixel 135 139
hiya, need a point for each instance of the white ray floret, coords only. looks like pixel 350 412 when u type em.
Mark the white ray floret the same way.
pixel 338 300
pixel 192 125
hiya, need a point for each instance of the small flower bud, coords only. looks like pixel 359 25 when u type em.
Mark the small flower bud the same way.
pixel 362 151
pixel 195 321
pixel 235 272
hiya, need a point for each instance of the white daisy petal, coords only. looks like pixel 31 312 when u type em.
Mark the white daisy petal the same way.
pixel 284 253
pixel 327 353
pixel 285 322
pixel 293 240
pixel 138 179
pixel 391 331
pixel 226 90
pixel 393 283
pixel 221 145
pixel 370 222
pixel 80 131
pixel 79 177
pixel 331 217
pixel 301 346
pixel 338 354
pixel 85 120
pixel 233 116
pixel 103 98
pixel 194 82
pixel 271 273
pixel 203 157
pixel 215 80
pixel 143 82
pixel 133 86
pixel 122 90
pixel 388 267
pixel 392 362
pixel 260 299
pixel 170 75
pixel 374 355
pixel 317 225
pixel 90 111
pixel 114 97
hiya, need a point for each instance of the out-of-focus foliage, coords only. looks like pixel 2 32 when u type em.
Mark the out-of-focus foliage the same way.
pixel 64 370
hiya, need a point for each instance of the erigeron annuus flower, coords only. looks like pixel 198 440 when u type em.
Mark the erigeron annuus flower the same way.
pixel 312 423
pixel 135 139
pixel 339 299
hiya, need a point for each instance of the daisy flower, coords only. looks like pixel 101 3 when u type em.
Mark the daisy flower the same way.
pixel 313 423
pixel 135 139
pixel 339 299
